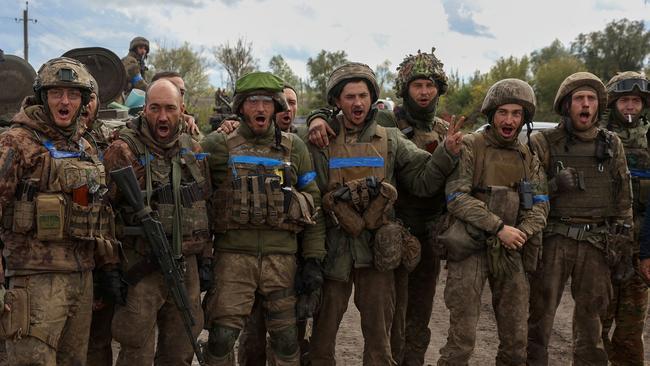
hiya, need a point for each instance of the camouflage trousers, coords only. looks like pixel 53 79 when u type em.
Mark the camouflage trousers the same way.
pixel 60 312
pixel 374 296
pixel 238 278
pixel 465 282
pixel 100 351
pixel 149 305
pixel 627 310
pixel 410 333
pixel 591 289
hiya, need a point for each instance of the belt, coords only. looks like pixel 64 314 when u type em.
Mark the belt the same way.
pixel 576 231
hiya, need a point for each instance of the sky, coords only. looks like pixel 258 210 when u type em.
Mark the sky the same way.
pixel 468 35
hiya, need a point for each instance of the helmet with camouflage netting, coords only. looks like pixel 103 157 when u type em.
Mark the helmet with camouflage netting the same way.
pixel 348 72
pixel 420 66
pixel 64 72
pixel 628 83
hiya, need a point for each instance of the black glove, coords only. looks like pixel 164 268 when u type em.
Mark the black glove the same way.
pixel 205 273
pixel 111 286
pixel 566 180
pixel 311 277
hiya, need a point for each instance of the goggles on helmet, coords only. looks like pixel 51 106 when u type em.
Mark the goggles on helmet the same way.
pixel 628 85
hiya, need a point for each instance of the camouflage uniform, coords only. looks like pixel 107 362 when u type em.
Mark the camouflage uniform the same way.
pixel 630 302
pixel 149 304
pixel 490 164
pixel 410 334
pixel 580 222
pixel 350 260
pixel 257 242
pixel 134 66
pixel 51 244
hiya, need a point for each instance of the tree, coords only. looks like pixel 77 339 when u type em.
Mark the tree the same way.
pixel 385 77
pixel 623 45
pixel 280 68
pixel 319 69
pixel 547 80
pixel 510 67
pixel 555 50
pixel 190 64
pixel 236 60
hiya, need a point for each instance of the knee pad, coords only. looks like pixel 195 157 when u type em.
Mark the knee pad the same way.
pixel 284 341
pixel 222 340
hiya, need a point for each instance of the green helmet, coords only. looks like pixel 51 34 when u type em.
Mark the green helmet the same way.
pixel 420 66
pixel 64 72
pixel 509 91
pixel 628 83
pixel 260 83
pixel 347 72
pixel 137 42
pixel 575 81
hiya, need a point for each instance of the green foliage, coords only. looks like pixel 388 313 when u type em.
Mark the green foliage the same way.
pixel 279 67
pixel 622 46
pixel 236 60
pixel 510 67
pixel 547 80
pixel 385 79
pixel 542 56
pixel 319 69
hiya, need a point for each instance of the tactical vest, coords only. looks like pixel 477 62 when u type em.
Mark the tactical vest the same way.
pixel 62 200
pixel 187 171
pixel 258 188
pixel 596 201
pixel 635 142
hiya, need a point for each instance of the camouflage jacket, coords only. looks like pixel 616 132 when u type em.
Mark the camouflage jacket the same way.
pixel 134 75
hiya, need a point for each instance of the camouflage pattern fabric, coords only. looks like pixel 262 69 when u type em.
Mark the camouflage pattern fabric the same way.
pixel 422 65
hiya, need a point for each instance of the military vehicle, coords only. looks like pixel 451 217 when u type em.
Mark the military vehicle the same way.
pixel 17 77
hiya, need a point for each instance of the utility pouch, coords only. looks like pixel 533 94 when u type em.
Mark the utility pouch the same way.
pixel 375 214
pixel 85 222
pixel 240 200
pixel 387 247
pixel 411 250
pixel 166 217
pixel 461 239
pixel 195 219
pixel 525 190
pixel 349 219
pixel 14 324
pixel 275 204
pixel 258 208
pixel 301 208
pixel 50 216
pixel 23 217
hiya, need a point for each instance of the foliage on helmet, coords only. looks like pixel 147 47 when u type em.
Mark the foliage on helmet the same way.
pixel 260 83
pixel 575 81
pixel 510 91
pixel 347 72
pixel 422 65
pixel 613 94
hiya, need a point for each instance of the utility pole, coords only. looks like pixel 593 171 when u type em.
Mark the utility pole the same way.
pixel 26 19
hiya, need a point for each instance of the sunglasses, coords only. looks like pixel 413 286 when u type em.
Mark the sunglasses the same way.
pixel 628 85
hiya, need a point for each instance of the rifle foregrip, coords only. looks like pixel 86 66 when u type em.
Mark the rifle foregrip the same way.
pixel 128 186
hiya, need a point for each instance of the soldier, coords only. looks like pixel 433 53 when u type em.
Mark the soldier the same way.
pixel 498 198
pixel 265 194
pixel 134 64
pixel 55 226
pixel 588 225
pixel 171 170
pixel 627 96
pixel 358 171
pixel 177 79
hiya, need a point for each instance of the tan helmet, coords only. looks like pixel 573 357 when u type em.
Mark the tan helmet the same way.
pixel 137 42
pixel 423 65
pixel 349 71
pixel 628 83
pixel 510 91
pixel 64 72
pixel 577 80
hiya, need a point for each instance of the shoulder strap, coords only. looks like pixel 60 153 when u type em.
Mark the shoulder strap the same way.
pixel 139 149
pixel 478 148
pixel 287 144
pixel 382 146
pixel 189 159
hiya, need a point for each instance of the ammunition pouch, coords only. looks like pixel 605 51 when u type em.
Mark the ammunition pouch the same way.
pixel 376 214
pixel 23 216
pixel 344 213
pixel 394 245
pixel 90 222
pixel 461 239
pixel 301 209
pixel 14 324
pixel 50 216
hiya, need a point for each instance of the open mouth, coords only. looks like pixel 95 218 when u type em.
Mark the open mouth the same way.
pixel 507 131
pixel 357 113
pixel 163 129
pixel 63 113
pixel 285 119
pixel 585 117
pixel 260 120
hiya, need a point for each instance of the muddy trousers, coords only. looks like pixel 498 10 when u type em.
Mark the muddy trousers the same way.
pixel 100 351
pixel 465 282
pixel 374 296
pixel 237 280
pixel 410 333
pixel 626 315
pixel 60 312
pixel 591 290
pixel 150 305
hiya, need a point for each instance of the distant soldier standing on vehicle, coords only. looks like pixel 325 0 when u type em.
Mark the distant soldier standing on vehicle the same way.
pixel 498 199
pixel 56 226
pixel 589 221
pixel 134 64
pixel 628 94
pixel 172 172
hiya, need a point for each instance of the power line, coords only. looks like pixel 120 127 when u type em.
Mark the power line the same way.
pixel 26 19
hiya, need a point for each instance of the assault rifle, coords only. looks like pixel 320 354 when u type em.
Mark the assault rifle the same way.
pixel 153 231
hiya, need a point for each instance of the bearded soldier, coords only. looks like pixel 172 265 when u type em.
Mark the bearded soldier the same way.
pixel 56 226
pixel 589 221
pixel 172 171
pixel 499 204
pixel 627 96
pixel 134 64
pixel 358 172
pixel 265 194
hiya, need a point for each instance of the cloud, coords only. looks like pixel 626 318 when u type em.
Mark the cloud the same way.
pixel 381 39
pixel 460 16
pixel 154 3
